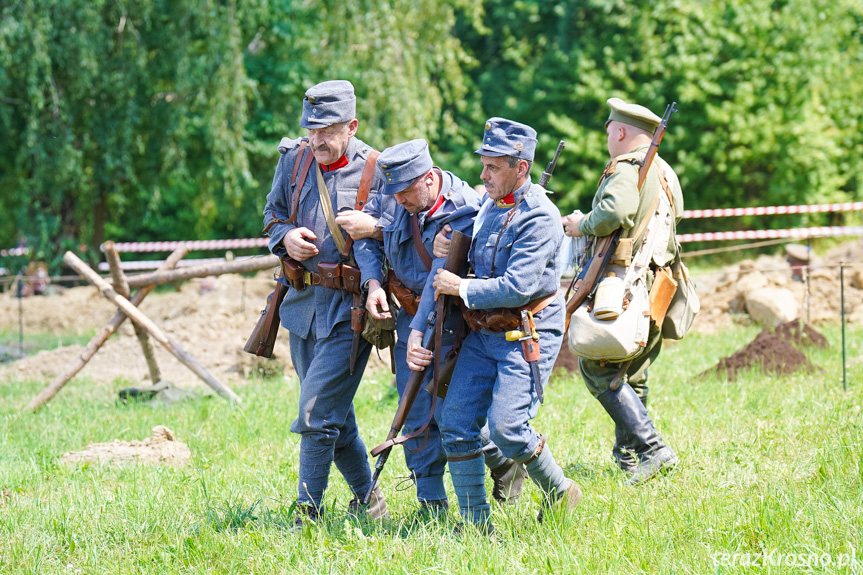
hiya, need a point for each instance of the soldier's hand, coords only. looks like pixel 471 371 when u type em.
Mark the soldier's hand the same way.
pixel 570 224
pixel 445 283
pixel 359 225
pixel 297 246
pixel 418 357
pixel 376 303
pixel 441 242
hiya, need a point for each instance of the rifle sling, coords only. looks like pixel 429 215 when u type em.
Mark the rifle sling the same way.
pixel 303 173
pixel 422 252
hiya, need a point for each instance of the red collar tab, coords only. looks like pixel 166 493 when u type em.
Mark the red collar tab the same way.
pixel 340 163
pixel 507 201
pixel 437 204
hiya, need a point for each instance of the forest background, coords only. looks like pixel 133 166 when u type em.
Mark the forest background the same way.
pixel 159 119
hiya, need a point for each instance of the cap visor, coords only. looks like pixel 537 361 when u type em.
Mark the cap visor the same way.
pixel 391 188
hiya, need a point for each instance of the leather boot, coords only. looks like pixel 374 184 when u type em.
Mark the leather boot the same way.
pixel 376 509
pixel 568 501
pixel 305 516
pixel 508 482
pixel 637 436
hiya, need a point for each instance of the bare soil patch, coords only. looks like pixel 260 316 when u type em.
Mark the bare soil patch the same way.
pixel 161 448
pixel 774 351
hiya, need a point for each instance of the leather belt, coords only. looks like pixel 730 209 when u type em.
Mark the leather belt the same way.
pixel 505 319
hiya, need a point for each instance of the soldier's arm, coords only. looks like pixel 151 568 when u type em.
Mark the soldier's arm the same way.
pixel 535 248
pixel 462 221
pixel 278 205
pixel 617 205
pixel 369 252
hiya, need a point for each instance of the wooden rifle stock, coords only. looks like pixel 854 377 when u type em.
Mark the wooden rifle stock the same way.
pixel 583 284
pixel 456 262
pixel 263 338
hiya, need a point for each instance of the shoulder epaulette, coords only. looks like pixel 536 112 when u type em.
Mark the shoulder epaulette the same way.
pixel 288 144
pixel 633 158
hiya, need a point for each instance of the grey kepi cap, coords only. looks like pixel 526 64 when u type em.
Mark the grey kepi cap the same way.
pixel 632 114
pixel 404 163
pixel 504 137
pixel 328 103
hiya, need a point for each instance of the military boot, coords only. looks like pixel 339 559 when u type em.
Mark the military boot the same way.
pixel 376 509
pixel 305 515
pixel 508 482
pixel 568 501
pixel 638 438
pixel 432 510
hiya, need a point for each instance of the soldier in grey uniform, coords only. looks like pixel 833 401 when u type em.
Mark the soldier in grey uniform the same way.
pixel 638 450
pixel 516 239
pixel 317 317
pixel 417 200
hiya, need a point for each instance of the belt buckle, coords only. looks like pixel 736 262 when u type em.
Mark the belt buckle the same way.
pixel 307 277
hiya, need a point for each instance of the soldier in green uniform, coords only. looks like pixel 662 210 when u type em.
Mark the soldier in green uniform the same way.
pixel 638 450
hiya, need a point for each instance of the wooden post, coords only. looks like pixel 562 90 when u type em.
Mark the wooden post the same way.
pixel 122 288
pixel 154 330
pixel 100 338
pixel 238 266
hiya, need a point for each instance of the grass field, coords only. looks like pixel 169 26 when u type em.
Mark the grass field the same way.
pixel 770 480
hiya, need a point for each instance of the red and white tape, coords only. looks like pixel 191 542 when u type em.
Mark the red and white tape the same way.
pixel 193 245
pixel 773 210
pixel 154 264
pixel 795 233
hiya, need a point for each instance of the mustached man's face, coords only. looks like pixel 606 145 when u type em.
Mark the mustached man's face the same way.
pixel 499 178
pixel 330 143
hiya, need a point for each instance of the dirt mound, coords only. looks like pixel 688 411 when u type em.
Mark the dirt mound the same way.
pixel 801 334
pixel 161 448
pixel 774 352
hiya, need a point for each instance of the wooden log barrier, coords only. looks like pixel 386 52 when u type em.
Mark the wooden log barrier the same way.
pixel 122 288
pixel 154 330
pixel 100 338
pixel 238 266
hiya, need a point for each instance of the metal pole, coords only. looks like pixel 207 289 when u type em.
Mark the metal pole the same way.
pixel 842 292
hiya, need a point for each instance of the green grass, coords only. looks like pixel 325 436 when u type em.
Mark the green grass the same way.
pixel 766 465
pixel 34 342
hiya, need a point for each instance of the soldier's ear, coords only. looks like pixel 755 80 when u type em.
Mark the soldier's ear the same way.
pixel 352 127
pixel 523 168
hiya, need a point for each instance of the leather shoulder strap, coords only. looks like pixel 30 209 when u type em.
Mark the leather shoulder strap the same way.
pixel 363 192
pixel 303 173
pixel 422 252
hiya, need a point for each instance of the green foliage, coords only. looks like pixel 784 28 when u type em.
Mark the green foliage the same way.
pixel 159 120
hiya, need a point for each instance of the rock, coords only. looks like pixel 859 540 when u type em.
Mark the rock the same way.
pixel 750 282
pixel 772 305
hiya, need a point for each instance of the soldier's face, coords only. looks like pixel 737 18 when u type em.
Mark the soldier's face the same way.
pixel 417 197
pixel 499 178
pixel 616 134
pixel 330 143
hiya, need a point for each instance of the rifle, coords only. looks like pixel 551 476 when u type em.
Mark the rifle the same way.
pixel 455 260
pixel 583 283
pixel 263 338
pixel 546 175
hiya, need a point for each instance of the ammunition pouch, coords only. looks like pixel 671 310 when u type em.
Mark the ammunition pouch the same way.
pixel 407 299
pixel 293 271
pixel 329 275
